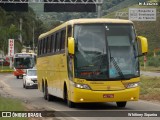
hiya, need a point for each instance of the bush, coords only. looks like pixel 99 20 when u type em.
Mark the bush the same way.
pixel 154 61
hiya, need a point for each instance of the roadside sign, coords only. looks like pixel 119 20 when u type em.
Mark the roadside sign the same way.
pixel 11 47
pixel 142 14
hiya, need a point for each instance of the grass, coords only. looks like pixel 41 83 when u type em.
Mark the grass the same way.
pixel 150 68
pixel 5 69
pixel 150 88
pixel 8 104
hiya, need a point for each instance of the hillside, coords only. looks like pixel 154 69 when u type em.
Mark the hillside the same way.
pixel 123 4
pixel 149 29
pixel 50 17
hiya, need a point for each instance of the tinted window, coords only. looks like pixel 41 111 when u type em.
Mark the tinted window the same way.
pixel 63 34
pixel 57 42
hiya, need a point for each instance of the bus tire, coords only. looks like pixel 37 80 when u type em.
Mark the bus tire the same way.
pixel 17 77
pixel 66 99
pixel 69 103
pixel 49 97
pixel 45 92
pixel 121 104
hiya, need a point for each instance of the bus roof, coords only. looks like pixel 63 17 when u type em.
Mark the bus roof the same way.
pixel 86 21
pixel 98 20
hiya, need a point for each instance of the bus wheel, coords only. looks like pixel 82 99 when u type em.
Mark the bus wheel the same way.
pixel 17 77
pixel 47 96
pixel 121 104
pixel 69 103
pixel 45 92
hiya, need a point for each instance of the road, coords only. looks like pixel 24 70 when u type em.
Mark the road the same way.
pixel 10 86
pixel 156 74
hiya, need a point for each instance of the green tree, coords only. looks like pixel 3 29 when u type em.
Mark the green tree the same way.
pixel 10 24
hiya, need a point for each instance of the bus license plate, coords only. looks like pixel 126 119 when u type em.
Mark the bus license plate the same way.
pixel 108 95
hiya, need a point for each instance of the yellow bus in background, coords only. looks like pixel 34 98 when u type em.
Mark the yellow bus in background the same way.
pixel 91 60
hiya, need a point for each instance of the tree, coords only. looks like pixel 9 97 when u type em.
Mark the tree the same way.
pixel 9 28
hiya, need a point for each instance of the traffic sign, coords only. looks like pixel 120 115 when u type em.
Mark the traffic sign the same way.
pixel 142 14
pixel 10 47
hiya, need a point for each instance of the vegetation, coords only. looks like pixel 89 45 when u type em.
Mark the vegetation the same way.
pixel 9 24
pixel 150 90
pixel 149 29
pixel 8 104
pixel 5 69
pixel 9 28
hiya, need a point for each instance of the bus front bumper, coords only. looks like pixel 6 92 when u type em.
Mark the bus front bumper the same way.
pixel 18 72
pixel 83 95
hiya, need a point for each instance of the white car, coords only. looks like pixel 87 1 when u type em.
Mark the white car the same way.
pixel 30 79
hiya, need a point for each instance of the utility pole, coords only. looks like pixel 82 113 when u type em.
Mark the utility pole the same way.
pixel 33 38
pixel 20 28
pixel 99 8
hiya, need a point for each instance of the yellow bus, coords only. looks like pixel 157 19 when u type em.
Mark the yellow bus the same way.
pixel 91 60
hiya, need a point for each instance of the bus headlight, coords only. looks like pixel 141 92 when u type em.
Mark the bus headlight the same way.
pixel 82 86
pixel 132 85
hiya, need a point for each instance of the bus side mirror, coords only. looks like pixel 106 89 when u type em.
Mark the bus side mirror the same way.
pixel 71 45
pixel 142 45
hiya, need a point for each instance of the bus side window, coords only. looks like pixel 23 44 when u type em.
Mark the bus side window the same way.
pixel 57 43
pixel 40 47
pixel 43 46
pixel 53 44
pixel 69 33
pixel 39 43
pixel 48 45
pixel 62 39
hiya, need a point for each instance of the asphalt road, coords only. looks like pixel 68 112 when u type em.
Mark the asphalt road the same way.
pixel 95 111
pixel 146 73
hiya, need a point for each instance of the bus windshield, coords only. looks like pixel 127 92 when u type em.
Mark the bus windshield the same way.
pixel 105 51
pixel 24 63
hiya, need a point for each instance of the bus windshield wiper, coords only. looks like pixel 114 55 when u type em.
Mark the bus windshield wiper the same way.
pixel 117 67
